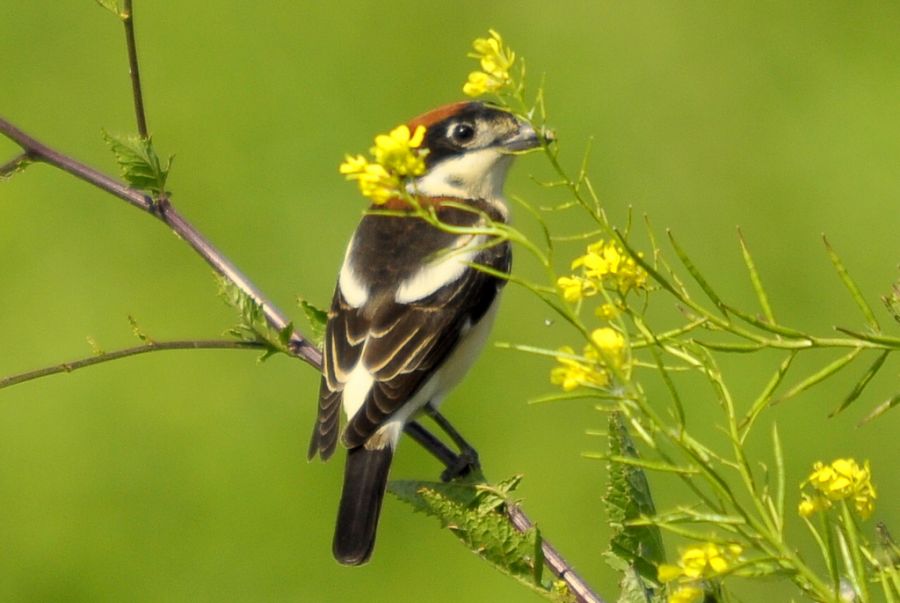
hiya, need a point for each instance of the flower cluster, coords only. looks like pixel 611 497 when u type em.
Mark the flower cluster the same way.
pixel 843 479
pixel 398 156
pixel 592 369
pixel 697 563
pixel 496 60
pixel 604 265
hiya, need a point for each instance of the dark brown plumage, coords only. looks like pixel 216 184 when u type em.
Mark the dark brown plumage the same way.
pixel 407 297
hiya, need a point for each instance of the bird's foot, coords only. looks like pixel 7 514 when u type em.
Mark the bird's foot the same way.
pixel 465 464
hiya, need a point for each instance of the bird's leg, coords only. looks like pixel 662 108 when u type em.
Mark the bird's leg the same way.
pixel 432 444
pixel 467 460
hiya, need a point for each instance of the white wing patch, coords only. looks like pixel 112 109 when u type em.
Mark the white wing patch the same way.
pixel 353 290
pixel 446 269
pixel 357 388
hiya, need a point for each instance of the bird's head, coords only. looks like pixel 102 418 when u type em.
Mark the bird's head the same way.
pixel 470 148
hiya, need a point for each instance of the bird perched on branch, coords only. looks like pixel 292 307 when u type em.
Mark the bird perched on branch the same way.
pixel 412 308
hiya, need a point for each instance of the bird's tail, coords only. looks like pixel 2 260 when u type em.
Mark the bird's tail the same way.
pixel 365 479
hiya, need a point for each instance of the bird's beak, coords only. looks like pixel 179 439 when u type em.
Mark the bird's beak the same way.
pixel 523 139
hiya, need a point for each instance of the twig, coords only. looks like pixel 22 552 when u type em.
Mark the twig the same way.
pixel 166 213
pixel 163 210
pixel 150 346
pixel 559 566
pixel 554 560
pixel 128 20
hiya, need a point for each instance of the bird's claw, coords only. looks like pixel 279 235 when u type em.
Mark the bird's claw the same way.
pixel 467 462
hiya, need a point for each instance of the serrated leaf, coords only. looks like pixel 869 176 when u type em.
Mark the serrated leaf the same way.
pixel 317 319
pixel 632 589
pixel 253 326
pixel 628 498
pixel 139 162
pixel 474 513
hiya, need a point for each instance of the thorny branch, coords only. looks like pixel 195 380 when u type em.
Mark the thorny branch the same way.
pixel 150 346
pixel 300 347
pixel 163 210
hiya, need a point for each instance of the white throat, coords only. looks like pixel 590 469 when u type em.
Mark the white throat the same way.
pixel 473 175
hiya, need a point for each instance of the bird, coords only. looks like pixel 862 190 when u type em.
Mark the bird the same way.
pixel 411 309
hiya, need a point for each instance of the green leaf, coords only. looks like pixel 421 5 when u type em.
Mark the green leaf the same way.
pixel 851 286
pixel 253 326
pixel 628 498
pixel 670 385
pixel 139 163
pixel 633 590
pixel 765 398
pixel 881 409
pixel 475 513
pixel 138 331
pixel 756 280
pixel 779 479
pixel 317 318
pixel 695 272
pixel 11 168
pixel 766 326
pixel 112 6
pixel 827 371
pixel 887 556
pixel 862 383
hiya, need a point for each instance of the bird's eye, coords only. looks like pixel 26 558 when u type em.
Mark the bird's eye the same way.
pixel 462 132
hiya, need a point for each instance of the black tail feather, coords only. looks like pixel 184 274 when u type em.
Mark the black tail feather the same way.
pixel 365 479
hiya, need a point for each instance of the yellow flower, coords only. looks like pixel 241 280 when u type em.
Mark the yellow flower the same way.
pixel 603 265
pixel 481 83
pixel 353 165
pixel 607 311
pixel 810 505
pixel 375 182
pixel 574 373
pixel 611 346
pixel 843 479
pixel 667 572
pixel 575 288
pixel 686 594
pixel 697 563
pixel 701 561
pixel 495 60
pixel 593 369
pixel 397 157
pixel 609 263
pixel 396 151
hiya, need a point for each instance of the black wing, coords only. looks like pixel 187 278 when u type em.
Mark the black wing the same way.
pixel 400 344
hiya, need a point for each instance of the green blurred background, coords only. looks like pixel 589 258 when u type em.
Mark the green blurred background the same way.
pixel 182 476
